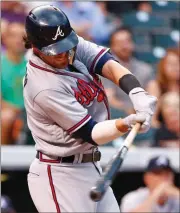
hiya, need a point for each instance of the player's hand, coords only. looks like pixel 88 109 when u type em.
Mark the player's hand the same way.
pixel 132 119
pixel 144 105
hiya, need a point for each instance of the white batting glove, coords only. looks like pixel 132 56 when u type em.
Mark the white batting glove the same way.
pixel 132 119
pixel 144 105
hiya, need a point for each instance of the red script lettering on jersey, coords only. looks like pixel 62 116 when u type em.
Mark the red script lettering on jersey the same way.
pixel 88 91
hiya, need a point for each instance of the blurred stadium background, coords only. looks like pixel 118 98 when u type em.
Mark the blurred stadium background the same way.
pixel 144 36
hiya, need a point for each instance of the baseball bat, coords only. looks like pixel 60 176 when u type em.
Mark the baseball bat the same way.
pixel 101 186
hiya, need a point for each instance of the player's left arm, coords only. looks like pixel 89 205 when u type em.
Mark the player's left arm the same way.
pixel 99 60
pixel 143 103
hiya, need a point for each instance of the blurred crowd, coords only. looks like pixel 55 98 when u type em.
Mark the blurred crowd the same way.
pixel 159 193
pixel 143 36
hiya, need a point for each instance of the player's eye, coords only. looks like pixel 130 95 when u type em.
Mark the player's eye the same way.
pixel 61 55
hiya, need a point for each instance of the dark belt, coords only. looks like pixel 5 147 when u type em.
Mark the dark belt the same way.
pixel 92 157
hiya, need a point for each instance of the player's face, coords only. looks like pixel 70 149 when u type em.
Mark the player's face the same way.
pixel 59 61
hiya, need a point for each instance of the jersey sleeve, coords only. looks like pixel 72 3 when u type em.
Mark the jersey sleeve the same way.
pixel 62 108
pixel 92 55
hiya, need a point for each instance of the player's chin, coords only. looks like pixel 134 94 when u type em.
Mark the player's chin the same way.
pixel 61 65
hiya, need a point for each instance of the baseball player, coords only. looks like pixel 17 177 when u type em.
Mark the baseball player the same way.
pixel 68 113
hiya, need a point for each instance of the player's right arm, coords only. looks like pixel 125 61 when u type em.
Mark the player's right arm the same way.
pixel 106 131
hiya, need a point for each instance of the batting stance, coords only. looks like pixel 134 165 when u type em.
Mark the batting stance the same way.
pixel 68 113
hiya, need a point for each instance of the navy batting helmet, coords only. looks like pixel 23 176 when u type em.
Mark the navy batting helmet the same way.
pixel 49 30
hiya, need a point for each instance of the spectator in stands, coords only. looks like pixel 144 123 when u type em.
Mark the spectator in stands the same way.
pixel 168 135
pixel 111 21
pixel 168 75
pixel 29 5
pixel 160 193
pixel 167 79
pixel 79 16
pixel 122 47
pixel 13 66
pixel 4 25
pixel 144 6
pixel 88 20
pixel 13 11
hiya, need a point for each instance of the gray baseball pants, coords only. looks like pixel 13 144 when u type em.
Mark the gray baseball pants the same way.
pixel 65 188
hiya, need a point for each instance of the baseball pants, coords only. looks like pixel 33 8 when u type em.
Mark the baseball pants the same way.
pixel 65 188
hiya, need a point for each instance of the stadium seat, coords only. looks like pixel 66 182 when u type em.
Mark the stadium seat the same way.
pixel 166 15
pixel 116 113
pixel 142 42
pixel 175 23
pixel 143 20
pixel 166 41
pixel 147 57
pixel 164 6
pixel 151 57
pixel 145 139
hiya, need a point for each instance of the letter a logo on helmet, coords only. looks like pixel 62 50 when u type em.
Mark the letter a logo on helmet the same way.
pixel 59 32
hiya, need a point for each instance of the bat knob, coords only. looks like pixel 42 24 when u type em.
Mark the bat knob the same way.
pixel 95 195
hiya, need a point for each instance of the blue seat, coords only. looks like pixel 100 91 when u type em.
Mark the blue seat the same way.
pixel 175 23
pixel 164 6
pixel 142 42
pixel 145 139
pixel 151 57
pixel 165 41
pixel 147 57
pixel 116 113
pixel 143 20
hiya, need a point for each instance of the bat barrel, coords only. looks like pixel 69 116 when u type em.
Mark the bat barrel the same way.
pixel 101 186
pixel 98 191
pixel 95 194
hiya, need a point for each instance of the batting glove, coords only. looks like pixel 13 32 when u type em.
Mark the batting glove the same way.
pixel 144 105
pixel 132 119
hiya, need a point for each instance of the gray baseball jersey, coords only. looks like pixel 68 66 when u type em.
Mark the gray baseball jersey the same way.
pixel 59 101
